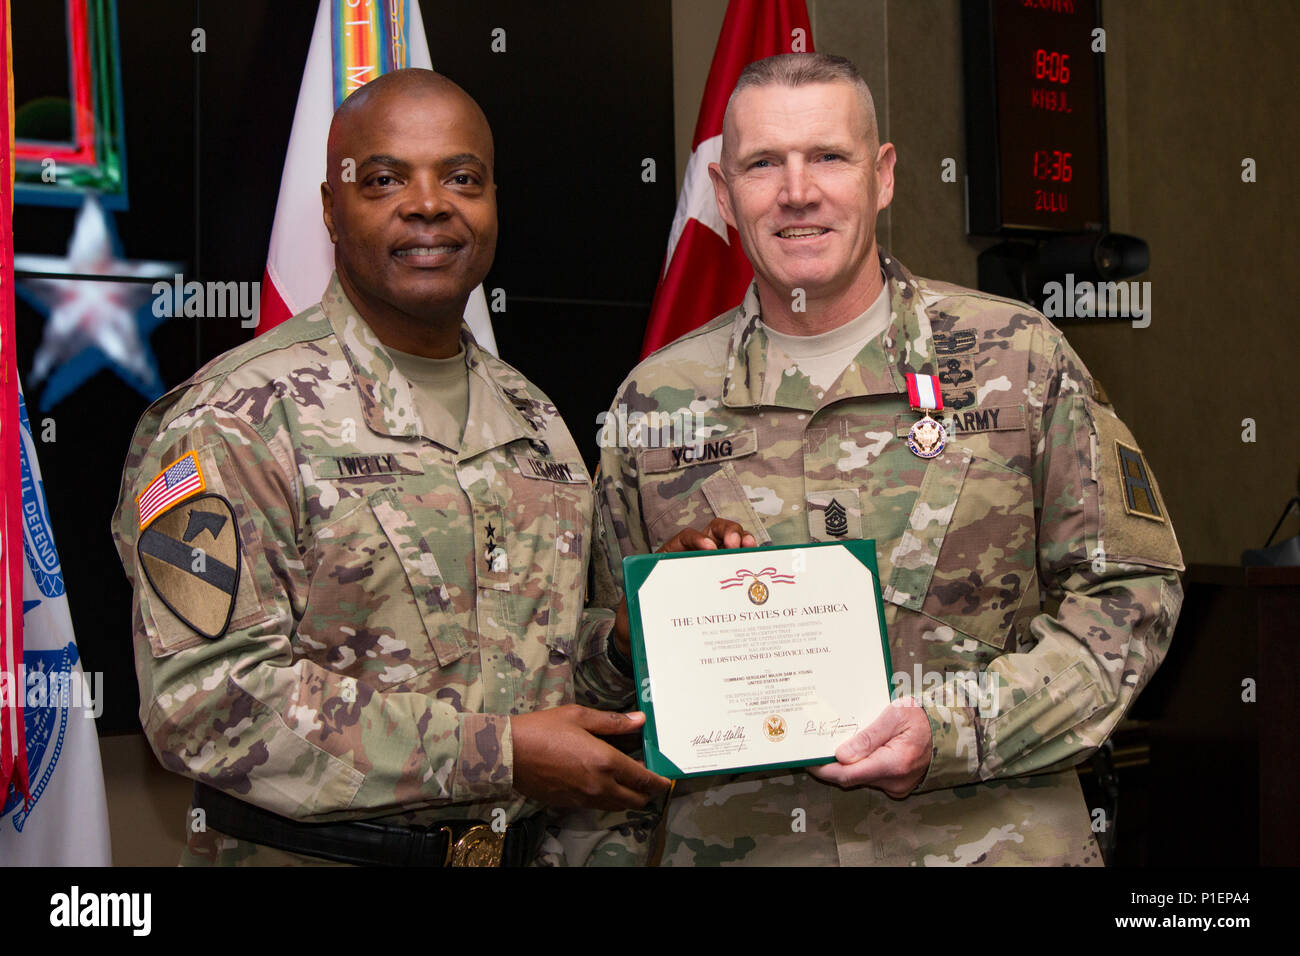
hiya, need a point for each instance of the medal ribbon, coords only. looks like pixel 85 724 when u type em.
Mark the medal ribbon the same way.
pixel 923 392
pixel 743 573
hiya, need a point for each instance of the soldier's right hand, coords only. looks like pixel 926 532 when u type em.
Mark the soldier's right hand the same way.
pixel 720 533
pixel 559 760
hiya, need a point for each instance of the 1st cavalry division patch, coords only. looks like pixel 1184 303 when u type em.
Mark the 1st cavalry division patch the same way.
pixel 190 556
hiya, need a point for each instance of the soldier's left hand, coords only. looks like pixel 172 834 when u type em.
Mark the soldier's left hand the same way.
pixel 892 753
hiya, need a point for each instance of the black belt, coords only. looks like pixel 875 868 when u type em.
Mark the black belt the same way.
pixel 366 843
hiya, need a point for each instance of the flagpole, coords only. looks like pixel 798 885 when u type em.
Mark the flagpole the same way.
pixel 13 753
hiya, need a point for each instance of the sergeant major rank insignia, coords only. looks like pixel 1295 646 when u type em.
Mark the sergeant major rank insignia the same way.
pixel 837 519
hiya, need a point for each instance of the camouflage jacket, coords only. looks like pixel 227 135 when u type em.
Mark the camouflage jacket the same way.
pixel 349 680
pixel 1010 564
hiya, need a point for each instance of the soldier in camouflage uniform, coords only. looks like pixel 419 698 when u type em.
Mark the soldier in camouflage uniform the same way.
pixel 344 610
pixel 1029 571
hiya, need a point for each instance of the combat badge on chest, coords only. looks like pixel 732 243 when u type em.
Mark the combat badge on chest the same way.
pixel 954 357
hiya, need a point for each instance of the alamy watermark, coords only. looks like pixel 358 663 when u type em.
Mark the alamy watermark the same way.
pixel 1098 300
pixel 131 911
pixel 978 689
pixel 34 689
pixel 207 300
pixel 622 428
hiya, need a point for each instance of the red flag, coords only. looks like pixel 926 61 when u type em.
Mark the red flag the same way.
pixel 13 751
pixel 705 271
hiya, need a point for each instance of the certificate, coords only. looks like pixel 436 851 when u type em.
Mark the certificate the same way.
pixel 758 657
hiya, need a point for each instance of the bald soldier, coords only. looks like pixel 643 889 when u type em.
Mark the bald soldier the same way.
pixel 1028 568
pixel 359 546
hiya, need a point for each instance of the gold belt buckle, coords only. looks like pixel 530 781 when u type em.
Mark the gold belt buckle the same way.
pixel 480 845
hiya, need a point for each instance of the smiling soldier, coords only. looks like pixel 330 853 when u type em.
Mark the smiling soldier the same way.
pixel 1019 534
pixel 359 546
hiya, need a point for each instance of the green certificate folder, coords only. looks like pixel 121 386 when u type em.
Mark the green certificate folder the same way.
pixel 756 658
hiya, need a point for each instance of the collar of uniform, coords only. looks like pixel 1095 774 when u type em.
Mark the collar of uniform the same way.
pixel 495 416
pixel 501 408
pixel 385 394
pixel 906 342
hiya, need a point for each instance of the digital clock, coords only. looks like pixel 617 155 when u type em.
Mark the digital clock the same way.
pixel 1035 117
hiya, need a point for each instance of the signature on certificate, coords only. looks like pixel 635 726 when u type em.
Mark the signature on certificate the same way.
pixel 836 727
pixel 719 735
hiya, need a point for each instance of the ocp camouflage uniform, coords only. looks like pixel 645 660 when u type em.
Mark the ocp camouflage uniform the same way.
pixel 1011 554
pixel 354 680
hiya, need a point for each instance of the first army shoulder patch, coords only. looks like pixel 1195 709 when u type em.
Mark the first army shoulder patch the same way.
pixel 1134 517
pixel 189 547
pixel 1139 494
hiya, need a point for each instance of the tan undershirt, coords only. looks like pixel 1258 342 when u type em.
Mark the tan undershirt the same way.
pixel 440 388
pixel 823 357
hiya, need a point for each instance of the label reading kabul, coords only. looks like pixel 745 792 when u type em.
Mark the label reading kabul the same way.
pixel 545 470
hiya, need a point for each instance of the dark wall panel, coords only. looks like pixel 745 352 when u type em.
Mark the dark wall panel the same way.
pixel 579 98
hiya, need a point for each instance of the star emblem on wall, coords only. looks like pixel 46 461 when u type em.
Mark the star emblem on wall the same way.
pixel 91 325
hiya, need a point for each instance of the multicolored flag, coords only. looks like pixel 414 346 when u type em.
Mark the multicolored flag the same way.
pixel 705 272
pixel 351 44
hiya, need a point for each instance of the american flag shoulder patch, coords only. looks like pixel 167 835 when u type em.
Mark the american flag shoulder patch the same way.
pixel 178 481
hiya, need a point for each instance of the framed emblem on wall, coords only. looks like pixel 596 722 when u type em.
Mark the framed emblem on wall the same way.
pixel 68 104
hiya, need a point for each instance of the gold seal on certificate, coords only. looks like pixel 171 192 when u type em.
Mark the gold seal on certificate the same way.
pixel 758 657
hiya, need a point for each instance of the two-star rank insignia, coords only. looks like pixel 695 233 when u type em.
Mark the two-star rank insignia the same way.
pixel 495 555
pixel 190 556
